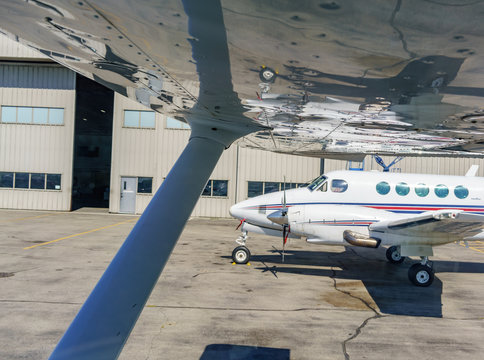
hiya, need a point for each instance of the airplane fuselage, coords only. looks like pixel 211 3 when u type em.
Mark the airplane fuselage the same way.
pixel 354 200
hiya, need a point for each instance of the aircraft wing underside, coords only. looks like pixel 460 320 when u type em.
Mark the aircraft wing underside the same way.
pixel 313 78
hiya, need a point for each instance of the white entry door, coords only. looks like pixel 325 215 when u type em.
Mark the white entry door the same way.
pixel 128 195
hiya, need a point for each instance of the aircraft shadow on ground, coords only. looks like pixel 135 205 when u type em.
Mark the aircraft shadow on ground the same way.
pixel 242 352
pixel 386 283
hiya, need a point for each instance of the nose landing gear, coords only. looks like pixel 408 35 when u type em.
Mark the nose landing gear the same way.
pixel 241 254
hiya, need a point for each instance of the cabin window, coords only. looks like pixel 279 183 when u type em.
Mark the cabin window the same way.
pixel 402 189
pixel 316 183
pixel 461 192
pixel 441 191
pixel 421 190
pixel 382 188
pixel 339 185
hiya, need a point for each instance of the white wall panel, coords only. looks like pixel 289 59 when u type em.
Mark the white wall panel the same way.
pixel 39 148
pixel 12 49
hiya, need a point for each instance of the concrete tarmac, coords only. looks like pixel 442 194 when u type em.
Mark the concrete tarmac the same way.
pixel 322 303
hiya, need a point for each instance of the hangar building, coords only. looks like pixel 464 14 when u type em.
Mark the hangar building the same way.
pixel 67 142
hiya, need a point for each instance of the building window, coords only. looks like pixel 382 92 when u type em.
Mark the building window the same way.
pixel 421 190
pixel 53 182
pixel 139 119
pixel 34 181
pixel 461 192
pixel 37 181
pixel 32 115
pixel 256 188
pixel 6 179
pixel 176 124
pixel 216 188
pixel 22 180
pixel 441 191
pixel 382 188
pixel 145 185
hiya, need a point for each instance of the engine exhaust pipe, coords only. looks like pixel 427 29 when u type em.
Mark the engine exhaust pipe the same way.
pixel 361 240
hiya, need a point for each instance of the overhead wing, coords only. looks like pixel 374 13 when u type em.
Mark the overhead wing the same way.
pixel 316 79
pixel 431 224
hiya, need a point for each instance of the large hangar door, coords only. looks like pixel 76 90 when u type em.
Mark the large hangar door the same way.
pixel 92 144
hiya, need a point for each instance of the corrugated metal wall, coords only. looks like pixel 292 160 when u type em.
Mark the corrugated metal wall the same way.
pixel 416 165
pixel 148 152
pixel 38 148
pixel 12 49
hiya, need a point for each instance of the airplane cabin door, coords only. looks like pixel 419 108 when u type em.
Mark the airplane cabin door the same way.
pixel 127 202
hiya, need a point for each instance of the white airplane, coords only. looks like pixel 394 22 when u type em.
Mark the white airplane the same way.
pixel 409 213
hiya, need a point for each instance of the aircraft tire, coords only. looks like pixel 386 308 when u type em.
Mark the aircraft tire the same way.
pixel 241 255
pixel 393 255
pixel 421 275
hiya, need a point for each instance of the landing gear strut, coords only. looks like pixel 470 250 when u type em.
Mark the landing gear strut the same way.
pixel 241 254
pixel 394 256
pixel 421 274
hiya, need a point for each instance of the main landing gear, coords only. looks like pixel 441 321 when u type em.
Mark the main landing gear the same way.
pixel 421 274
pixel 241 254
pixel 394 256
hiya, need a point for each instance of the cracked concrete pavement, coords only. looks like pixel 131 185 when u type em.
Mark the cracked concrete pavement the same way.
pixel 321 303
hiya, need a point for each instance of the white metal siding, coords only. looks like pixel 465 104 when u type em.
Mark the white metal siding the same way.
pixel 38 148
pixel 37 77
pixel 143 152
pixel 12 49
pixel 416 165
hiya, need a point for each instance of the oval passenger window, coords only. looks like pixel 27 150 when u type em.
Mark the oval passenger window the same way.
pixel 421 190
pixel 382 188
pixel 461 192
pixel 338 185
pixel 441 191
pixel 402 189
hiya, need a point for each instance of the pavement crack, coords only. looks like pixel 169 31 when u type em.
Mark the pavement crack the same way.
pixel 376 314
pixel 399 32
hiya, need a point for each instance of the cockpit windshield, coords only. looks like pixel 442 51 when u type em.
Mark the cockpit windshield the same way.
pixel 316 183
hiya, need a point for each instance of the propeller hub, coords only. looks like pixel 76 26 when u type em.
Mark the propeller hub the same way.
pixel 278 217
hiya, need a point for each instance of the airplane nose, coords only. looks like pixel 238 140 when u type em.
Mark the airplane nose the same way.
pixel 234 211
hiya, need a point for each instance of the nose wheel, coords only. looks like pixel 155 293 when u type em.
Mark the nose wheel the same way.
pixel 241 255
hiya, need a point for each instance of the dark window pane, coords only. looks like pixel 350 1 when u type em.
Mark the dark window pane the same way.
pixel 6 179
pixel 271 187
pixel 37 181
pixel 208 189
pixel 145 185
pixel 53 181
pixel 22 180
pixel 254 188
pixel 220 187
